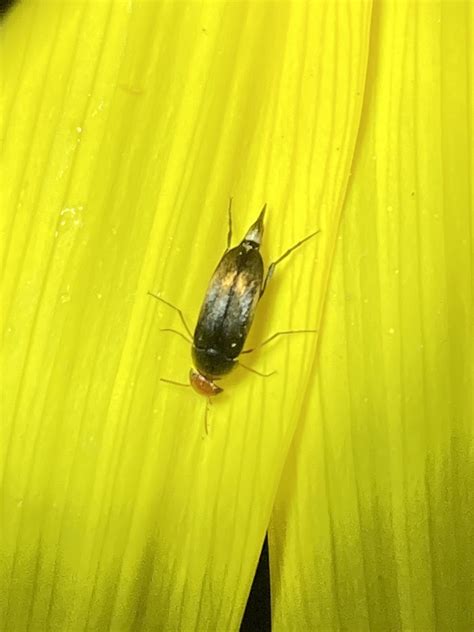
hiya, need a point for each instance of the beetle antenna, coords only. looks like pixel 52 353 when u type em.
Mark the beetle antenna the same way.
pixel 183 320
pixel 206 416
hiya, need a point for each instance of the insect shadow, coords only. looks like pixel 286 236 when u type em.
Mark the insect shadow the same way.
pixel 228 310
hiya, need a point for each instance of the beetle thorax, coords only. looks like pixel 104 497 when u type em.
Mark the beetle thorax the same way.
pixel 211 363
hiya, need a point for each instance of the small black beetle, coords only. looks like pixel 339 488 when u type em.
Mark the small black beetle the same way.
pixel 228 309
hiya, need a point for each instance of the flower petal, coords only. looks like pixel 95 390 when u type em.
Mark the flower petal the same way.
pixel 128 126
pixel 373 527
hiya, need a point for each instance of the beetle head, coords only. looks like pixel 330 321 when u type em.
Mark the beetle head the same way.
pixel 203 385
pixel 255 232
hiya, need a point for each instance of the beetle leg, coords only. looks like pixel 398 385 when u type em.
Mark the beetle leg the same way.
pixel 272 266
pixel 256 372
pixel 280 333
pixel 183 320
pixel 229 233
pixel 163 379
pixel 271 269
pixel 175 331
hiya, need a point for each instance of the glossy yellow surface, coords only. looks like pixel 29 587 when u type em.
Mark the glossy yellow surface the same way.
pixel 126 127
pixel 373 523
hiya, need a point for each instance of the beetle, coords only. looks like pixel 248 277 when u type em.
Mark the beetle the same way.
pixel 228 310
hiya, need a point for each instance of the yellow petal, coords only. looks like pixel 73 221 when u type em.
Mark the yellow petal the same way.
pixel 128 126
pixel 372 527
